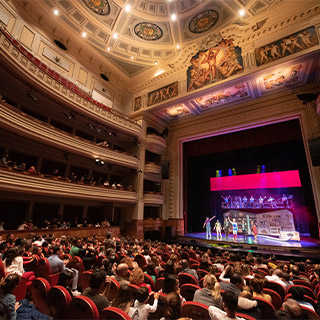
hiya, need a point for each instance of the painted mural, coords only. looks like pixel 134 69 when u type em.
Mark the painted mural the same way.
pixel 283 77
pixel 295 42
pixel 203 21
pixel 163 94
pixel 148 31
pixel 175 112
pixel 214 64
pixel 227 95
pixel 137 103
pixel 101 7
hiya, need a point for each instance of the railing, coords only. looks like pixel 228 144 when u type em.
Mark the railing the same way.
pixel 12 118
pixel 78 95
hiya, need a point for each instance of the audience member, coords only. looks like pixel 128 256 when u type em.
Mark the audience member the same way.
pixel 141 303
pixel 257 290
pixel 6 296
pixel 298 295
pixel 123 301
pixel 122 274
pixel 293 308
pixel 185 269
pixel 137 278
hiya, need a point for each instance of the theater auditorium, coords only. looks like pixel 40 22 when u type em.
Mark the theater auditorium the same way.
pixel 159 159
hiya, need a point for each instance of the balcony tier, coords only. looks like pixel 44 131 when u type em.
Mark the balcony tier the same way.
pixel 156 144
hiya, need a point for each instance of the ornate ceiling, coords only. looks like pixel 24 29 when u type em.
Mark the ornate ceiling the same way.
pixel 146 37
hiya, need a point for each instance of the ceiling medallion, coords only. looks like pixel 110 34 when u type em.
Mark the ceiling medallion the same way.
pixel 203 21
pixel 101 7
pixel 148 31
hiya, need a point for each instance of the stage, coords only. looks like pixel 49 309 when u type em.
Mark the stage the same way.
pixel 307 247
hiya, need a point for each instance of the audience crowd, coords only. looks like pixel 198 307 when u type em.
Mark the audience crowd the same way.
pixel 154 280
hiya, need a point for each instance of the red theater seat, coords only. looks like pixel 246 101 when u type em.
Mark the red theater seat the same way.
pixel 307 291
pixel 309 314
pixel 77 264
pixel 140 259
pixel 113 291
pixel 39 290
pixel 277 287
pixel 59 300
pixel 148 279
pixel 267 309
pixel 276 298
pixel 201 273
pixel 43 270
pixel 159 283
pixel 161 309
pixel 195 311
pixel 302 283
pixel 244 316
pixel 86 276
pixel 187 278
pixel 21 290
pixel 82 308
pixel 114 313
pixel 187 290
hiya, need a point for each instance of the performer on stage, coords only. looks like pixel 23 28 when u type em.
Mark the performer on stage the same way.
pixel 244 230
pixel 284 200
pixel 251 202
pixel 226 201
pixel 261 199
pixel 234 228
pixel 208 227
pixel 226 228
pixel 270 200
pixel 245 201
pixel 218 228
pixel 255 231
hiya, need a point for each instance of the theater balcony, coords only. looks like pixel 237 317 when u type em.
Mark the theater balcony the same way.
pixel 30 70
pixel 155 143
pixel 152 168
pixel 22 124
pixel 22 182
pixel 153 198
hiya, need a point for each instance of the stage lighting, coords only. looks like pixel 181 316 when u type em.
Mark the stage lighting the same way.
pixel 101 163
pixel 263 168
pixel 97 161
pixel 218 173
pixel 258 169
pixel 229 172
pixel 234 172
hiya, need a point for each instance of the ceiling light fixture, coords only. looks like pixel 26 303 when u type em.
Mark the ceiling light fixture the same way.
pixel 115 36
pixel 108 49
pixel 84 34
pixel 173 17
pixel 156 62
pixel 127 8
pixel 158 72
pixel 56 12
pixel 178 47
pixel 242 12
pixel 132 58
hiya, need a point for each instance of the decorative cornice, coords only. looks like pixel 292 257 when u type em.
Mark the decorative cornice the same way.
pixel 26 183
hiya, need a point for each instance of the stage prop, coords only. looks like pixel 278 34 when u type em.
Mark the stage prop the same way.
pixel 277 223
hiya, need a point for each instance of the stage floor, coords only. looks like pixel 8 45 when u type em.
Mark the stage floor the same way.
pixel 306 247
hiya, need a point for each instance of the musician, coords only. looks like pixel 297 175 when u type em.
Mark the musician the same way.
pixel 245 201
pixel 244 230
pixel 284 200
pixel 270 200
pixel 234 228
pixel 208 227
pixel 218 228
pixel 251 201
pixel 226 200
pixel 226 227
pixel 261 199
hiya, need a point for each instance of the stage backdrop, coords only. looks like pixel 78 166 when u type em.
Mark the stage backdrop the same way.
pixel 279 147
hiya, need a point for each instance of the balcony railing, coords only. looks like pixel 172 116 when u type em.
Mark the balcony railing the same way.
pixel 156 144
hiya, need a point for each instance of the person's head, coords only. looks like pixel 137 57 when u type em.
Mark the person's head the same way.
pixel 123 297
pixel 56 250
pixel 207 218
pixel 246 294
pixel 234 219
pixel 245 270
pixel 184 264
pixel 230 302
pixel 293 308
pixel 143 294
pixel 65 277
pixel 210 282
pixel 295 271
pixel 12 253
pixel 170 283
pixel 173 310
pixel 98 279
pixel 282 315
pixel 136 276
pixel 151 268
pixel 297 293
pixel 237 280
pixel 169 268
pixel 106 262
pixel 9 284
pixel 256 285
pixel 277 272
pixel 122 270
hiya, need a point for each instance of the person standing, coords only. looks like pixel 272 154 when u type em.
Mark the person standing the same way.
pixel 226 228
pixel 255 232
pixel 207 224
pixel 234 228
pixel 218 228
pixel 244 230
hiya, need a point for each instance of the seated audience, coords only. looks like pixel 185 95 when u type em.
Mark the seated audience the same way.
pixel 185 268
pixel 137 278
pixel 230 303
pixel 235 285
pixel 123 301
pixel 210 293
pixel 6 296
pixel 293 308
pixel 276 277
pixel 257 290
pixel 97 290
pixel 141 303
pixel 298 295
pixel 122 274
pixel 173 307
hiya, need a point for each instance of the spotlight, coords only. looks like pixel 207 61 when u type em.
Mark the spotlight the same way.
pixel 229 172
pixel 218 173
pixel 97 161
pixel 263 168
pixel 258 169
pixel 101 163
pixel 234 172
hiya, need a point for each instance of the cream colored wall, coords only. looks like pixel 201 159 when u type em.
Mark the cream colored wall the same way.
pixel 281 107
